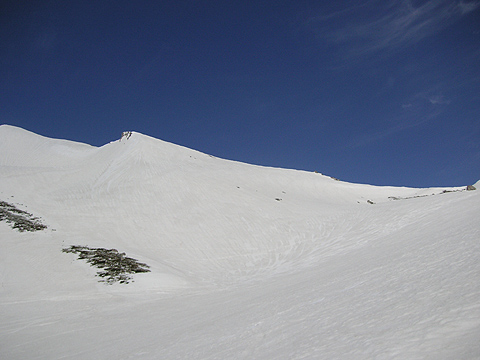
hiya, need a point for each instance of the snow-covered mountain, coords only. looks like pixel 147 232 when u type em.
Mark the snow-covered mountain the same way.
pixel 245 262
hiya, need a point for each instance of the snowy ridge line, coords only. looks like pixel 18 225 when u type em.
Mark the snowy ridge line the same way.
pixel 445 191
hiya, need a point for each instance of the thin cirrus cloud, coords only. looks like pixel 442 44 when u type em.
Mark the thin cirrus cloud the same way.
pixel 438 100
pixel 396 124
pixel 422 108
pixel 384 26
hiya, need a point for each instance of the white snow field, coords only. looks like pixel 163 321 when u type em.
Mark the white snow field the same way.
pixel 247 262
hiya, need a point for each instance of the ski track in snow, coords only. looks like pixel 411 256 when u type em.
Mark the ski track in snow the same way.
pixel 247 262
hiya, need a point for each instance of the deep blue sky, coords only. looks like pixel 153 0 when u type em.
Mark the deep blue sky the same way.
pixel 384 92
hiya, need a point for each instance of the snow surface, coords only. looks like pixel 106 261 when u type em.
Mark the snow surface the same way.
pixel 247 262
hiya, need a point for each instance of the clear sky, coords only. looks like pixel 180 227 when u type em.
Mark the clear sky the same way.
pixel 385 92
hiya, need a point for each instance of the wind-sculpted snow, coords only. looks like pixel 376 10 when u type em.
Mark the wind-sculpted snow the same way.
pixel 245 261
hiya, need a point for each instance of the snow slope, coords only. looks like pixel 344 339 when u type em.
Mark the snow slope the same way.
pixel 246 262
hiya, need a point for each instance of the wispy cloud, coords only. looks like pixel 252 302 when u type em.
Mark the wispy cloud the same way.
pixel 401 123
pixel 438 100
pixel 433 96
pixel 466 7
pixel 377 25
pixel 420 109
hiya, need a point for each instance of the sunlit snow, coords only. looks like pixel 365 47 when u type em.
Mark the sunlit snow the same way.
pixel 246 262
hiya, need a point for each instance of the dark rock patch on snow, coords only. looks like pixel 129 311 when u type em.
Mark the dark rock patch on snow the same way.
pixel 19 219
pixel 115 266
